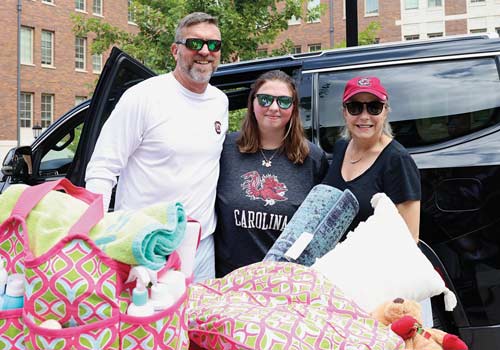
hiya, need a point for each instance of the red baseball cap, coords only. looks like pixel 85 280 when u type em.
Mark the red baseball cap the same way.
pixel 371 85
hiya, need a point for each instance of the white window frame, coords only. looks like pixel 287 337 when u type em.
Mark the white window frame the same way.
pixel 413 7
pixel 316 47
pixel 97 63
pixel 130 13
pixel 312 4
pixel 94 3
pixel 433 3
pixel 367 14
pixel 46 114
pixel 296 49
pixel 411 37
pixel 79 52
pixel 82 2
pixel 294 21
pixel 26 110
pixel 80 99
pixel 27 45
pixel 51 49
pixel 435 35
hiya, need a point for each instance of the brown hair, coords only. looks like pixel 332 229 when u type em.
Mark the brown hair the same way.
pixel 295 144
pixel 191 20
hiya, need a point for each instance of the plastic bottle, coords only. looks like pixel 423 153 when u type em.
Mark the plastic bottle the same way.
pixel 3 276
pixel 174 282
pixel 140 305
pixel 14 293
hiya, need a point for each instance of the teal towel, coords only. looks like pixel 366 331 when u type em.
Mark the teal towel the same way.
pixel 326 213
pixel 145 236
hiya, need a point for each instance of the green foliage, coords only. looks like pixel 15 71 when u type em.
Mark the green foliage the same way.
pixel 245 25
pixel 235 119
pixel 365 37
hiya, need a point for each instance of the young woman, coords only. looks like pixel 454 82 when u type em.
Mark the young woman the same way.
pixel 267 170
pixel 367 160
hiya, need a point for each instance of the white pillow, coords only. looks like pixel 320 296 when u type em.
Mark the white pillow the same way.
pixel 380 261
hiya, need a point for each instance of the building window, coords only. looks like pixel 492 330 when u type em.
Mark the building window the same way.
pixel 80 5
pixel 48 1
pixel 97 7
pixel 80 49
pixel 498 30
pixel 434 35
pixel 371 7
pixel 412 37
pixel 293 21
pixel 80 99
pixel 434 3
pixel 411 4
pixel 131 14
pixel 296 49
pixel 26 45
pixel 47 48
pixel 26 109
pixel 311 5
pixel 314 47
pixel 479 30
pixel 97 63
pixel 47 109
pixel 476 1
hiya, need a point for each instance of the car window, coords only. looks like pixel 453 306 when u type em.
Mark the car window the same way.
pixel 430 102
pixel 59 157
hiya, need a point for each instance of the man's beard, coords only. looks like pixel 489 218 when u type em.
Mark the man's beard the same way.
pixel 195 74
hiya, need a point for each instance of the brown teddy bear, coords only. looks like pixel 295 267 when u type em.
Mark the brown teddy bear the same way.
pixel 405 319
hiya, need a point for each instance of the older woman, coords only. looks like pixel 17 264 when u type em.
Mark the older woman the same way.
pixel 368 160
pixel 266 172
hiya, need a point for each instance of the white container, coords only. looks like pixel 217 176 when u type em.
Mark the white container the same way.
pixel 140 306
pixel 174 283
pixel 161 297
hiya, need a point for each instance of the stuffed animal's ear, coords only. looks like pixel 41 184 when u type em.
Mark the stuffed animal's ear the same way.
pixel 405 327
pixel 452 342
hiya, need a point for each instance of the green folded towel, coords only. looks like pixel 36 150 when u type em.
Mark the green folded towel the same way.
pixel 136 237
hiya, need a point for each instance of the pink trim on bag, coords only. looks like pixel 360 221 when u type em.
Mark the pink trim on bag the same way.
pixel 14 313
pixel 70 331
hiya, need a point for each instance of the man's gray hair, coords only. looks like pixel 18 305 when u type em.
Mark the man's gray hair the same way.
pixel 192 19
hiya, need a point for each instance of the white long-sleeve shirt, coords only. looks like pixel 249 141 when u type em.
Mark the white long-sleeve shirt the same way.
pixel 164 142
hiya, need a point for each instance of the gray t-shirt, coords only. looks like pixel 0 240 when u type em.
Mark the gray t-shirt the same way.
pixel 254 203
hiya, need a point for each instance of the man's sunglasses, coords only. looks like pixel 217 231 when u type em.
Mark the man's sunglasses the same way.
pixel 356 107
pixel 197 44
pixel 265 100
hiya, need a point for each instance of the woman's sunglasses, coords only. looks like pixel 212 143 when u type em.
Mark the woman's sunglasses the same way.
pixel 197 44
pixel 356 107
pixel 265 100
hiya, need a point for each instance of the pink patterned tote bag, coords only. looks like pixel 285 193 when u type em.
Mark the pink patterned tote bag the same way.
pixel 76 284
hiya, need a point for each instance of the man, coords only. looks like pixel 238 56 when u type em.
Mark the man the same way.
pixel 165 136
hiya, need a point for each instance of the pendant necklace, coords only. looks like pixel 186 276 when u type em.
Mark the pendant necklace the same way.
pixel 267 162
pixel 355 160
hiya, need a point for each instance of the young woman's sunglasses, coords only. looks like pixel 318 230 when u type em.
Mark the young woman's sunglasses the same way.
pixel 265 100
pixel 356 107
pixel 197 44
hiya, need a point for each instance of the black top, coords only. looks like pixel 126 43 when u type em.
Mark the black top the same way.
pixel 394 172
pixel 254 202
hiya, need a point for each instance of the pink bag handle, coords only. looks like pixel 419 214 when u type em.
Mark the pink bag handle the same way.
pixel 34 194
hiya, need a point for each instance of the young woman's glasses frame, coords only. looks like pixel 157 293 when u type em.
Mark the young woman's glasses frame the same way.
pixel 266 100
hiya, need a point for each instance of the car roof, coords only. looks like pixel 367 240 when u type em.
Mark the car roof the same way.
pixel 245 72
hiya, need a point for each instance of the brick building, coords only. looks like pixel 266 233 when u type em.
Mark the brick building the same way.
pixel 57 68
pixel 399 19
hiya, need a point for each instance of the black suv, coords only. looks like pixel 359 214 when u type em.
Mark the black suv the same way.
pixel 445 108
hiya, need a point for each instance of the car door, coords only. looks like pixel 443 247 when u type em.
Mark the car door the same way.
pixel 120 72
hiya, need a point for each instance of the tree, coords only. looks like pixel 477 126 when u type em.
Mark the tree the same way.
pixel 245 25
pixel 366 37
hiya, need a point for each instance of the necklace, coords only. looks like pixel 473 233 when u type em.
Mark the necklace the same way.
pixel 267 162
pixel 355 160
